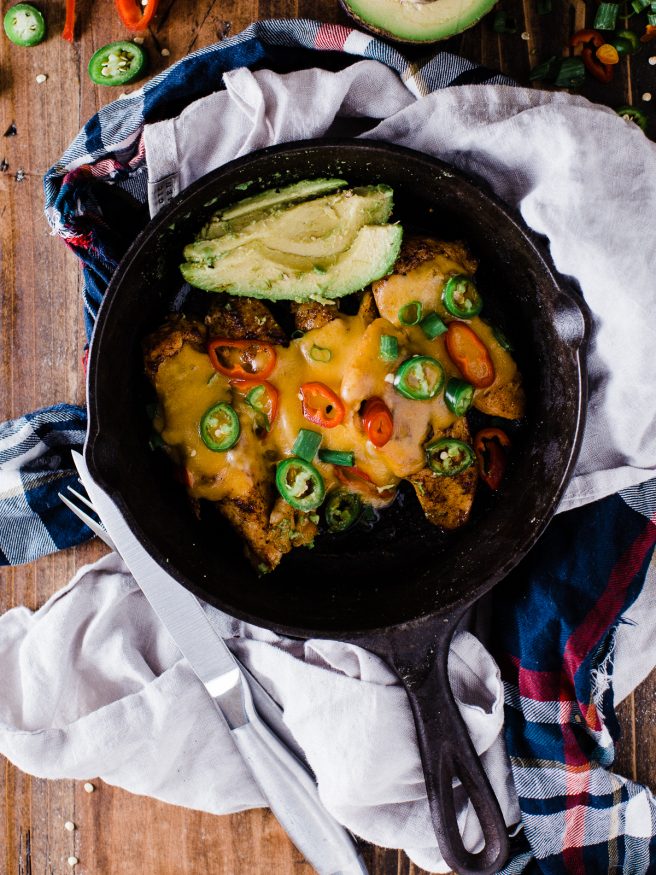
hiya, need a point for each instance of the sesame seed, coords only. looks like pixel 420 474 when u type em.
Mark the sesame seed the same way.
pixel 73 861
pixel 646 96
pixel 89 788
pixel 139 40
pixel 69 825
pixel 165 53
pixel 41 78
pixel 652 60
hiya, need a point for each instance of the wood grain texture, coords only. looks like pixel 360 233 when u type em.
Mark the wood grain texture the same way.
pixel 42 339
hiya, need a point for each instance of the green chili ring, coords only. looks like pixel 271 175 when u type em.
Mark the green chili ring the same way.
pixel 414 379
pixel 219 427
pixel 300 484
pixel 448 457
pixel 342 510
pixel 117 63
pixel 458 395
pixel 461 298
pixel 24 25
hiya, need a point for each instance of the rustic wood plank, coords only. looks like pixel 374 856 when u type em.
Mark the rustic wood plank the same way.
pixel 42 338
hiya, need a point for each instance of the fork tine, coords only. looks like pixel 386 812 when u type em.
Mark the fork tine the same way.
pixel 95 527
pixel 81 498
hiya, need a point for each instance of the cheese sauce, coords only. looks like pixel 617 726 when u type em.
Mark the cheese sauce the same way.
pixel 187 386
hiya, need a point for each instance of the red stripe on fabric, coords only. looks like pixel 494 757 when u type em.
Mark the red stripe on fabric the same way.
pixel 588 633
pixel 577 798
pixel 332 36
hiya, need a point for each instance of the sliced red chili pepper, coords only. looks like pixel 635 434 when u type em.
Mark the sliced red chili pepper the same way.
pixel 242 359
pixel 357 479
pixel 321 406
pixel 491 446
pixel 131 15
pixel 591 40
pixel 69 24
pixel 265 401
pixel 470 354
pixel 377 421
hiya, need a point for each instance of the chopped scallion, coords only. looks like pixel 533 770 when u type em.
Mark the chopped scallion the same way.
pixel 410 314
pixel 296 335
pixel 606 17
pixel 571 73
pixel 389 348
pixel 651 18
pixel 337 457
pixel 432 326
pixel 639 5
pixel 320 354
pixel 306 444
pixel 503 23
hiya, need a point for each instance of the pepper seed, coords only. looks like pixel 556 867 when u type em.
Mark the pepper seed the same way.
pixel 89 787
pixel 41 78
pixel 73 861
pixel 69 825
pixel 646 96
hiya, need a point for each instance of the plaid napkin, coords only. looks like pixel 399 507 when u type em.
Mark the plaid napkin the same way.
pixel 555 619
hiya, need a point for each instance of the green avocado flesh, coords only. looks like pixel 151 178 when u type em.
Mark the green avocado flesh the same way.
pixel 419 21
pixel 257 271
pixel 319 248
pixel 321 227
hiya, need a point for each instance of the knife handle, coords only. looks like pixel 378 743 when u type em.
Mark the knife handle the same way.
pixel 293 798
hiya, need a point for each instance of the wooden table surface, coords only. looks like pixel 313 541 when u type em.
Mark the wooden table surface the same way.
pixel 42 339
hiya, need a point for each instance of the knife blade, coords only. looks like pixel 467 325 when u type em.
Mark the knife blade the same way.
pixel 290 791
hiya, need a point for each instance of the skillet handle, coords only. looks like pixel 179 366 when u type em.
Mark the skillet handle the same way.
pixel 447 753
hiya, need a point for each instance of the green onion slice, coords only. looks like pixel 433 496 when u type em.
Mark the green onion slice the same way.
pixel 419 378
pixel 571 73
pixel 342 510
pixel 219 427
pixel 606 17
pixel 389 348
pixel 410 314
pixel 306 444
pixel 337 457
pixel 320 354
pixel 461 297
pixel 432 326
pixel 633 114
pixel 458 396
pixel 448 457
pixel 300 484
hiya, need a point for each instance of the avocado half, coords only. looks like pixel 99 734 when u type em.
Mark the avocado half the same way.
pixel 417 21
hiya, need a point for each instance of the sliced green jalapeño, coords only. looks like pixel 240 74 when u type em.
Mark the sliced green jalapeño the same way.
pixel 461 298
pixel 342 510
pixel 300 484
pixel 219 427
pixel 117 63
pixel 458 396
pixel 419 378
pixel 448 457
pixel 24 25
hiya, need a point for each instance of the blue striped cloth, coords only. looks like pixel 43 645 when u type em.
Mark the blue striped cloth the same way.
pixel 555 616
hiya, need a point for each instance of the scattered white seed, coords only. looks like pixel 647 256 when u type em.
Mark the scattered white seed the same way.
pixel 69 825
pixel 646 96
pixel 389 378
pixel 144 2
pixel 139 40
pixel 89 788
pixel 652 60
pixel 165 53
pixel 526 36
pixel 73 861
pixel 192 453
pixel 41 78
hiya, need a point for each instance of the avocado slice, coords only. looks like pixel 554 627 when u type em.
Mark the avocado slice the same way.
pixel 236 215
pixel 417 21
pixel 320 227
pixel 256 271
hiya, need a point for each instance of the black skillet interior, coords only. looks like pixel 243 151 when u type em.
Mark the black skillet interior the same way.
pixel 401 568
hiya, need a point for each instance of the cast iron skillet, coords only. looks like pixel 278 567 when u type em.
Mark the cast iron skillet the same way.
pixel 400 588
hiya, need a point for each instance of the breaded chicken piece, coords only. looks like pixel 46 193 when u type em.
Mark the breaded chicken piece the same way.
pixel 237 318
pixel 506 400
pixel 417 250
pixel 447 501
pixel 169 339
pixel 311 314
